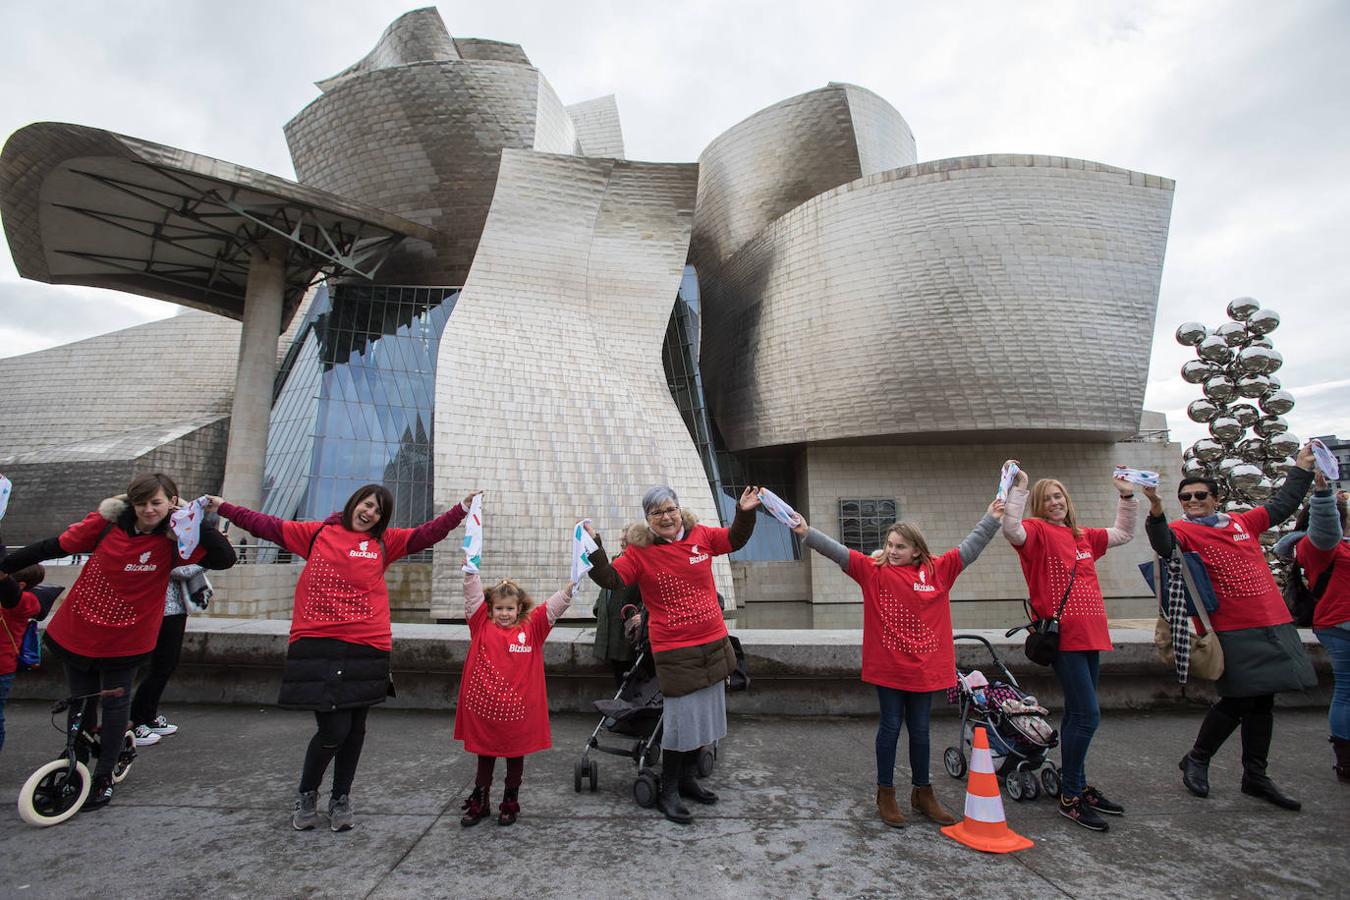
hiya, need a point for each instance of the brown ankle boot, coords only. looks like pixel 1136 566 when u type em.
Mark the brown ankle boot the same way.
pixel 924 802
pixel 888 808
pixel 1342 767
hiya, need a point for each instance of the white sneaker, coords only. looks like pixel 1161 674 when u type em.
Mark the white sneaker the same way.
pixel 162 726
pixel 145 737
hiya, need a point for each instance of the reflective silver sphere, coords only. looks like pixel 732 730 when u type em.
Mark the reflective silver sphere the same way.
pixel 1214 349
pixel 1225 429
pixel 1191 333
pixel 1263 321
pixel 1244 476
pixel 1255 360
pixel 1261 490
pixel 1253 450
pixel 1274 362
pixel 1262 342
pixel 1270 425
pixel 1194 468
pixel 1277 404
pixel 1207 451
pixel 1245 413
pixel 1197 371
pixel 1282 445
pixel 1252 386
pixel 1242 308
pixel 1233 507
pixel 1202 410
pixel 1222 389
pixel 1269 539
pixel 1228 464
pixel 1234 333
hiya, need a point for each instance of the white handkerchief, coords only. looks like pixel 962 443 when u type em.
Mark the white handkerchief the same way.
pixel 187 526
pixel 1141 477
pixel 473 535
pixel 1330 467
pixel 5 488
pixel 1006 479
pixel 777 508
pixel 582 547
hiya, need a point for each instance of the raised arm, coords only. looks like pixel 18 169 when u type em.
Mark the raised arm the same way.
pixel 1285 503
pixel 822 543
pixel 743 525
pixel 1286 547
pixel 1324 520
pixel 1160 536
pixel 260 525
pixel 433 532
pixel 219 553
pixel 602 570
pixel 31 554
pixel 556 605
pixel 983 532
pixel 473 594
pixel 1127 515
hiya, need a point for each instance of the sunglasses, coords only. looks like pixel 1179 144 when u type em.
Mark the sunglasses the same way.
pixel 1198 495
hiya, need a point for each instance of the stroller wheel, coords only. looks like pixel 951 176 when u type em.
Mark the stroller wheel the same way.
pixel 954 762
pixel 1050 780
pixel 645 788
pixel 706 758
pixel 1031 786
pixel 578 772
pixel 593 775
pixel 1014 785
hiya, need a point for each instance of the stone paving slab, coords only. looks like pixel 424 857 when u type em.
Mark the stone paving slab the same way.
pixel 206 814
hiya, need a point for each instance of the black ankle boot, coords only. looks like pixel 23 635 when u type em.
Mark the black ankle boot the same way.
pixel 689 786
pixel 476 806
pixel 1257 729
pixel 1342 767
pixel 668 800
pixel 1195 775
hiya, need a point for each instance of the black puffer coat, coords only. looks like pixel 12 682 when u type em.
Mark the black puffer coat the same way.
pixel 324 674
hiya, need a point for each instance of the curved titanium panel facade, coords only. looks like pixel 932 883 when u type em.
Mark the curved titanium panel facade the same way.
pixel 786 154
pixel 417 36
pixel 550 392
pixel 1002 295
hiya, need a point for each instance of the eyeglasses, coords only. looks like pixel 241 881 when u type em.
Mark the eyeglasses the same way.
pixel 1198 495
pixel 664 513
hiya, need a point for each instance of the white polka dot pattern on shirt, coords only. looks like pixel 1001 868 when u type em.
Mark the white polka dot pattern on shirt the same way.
pixel 1085 600
pixel 685 602
pixel 1233 574
pixel 98 602
pixel 901 628
pixel 331 597
pixel 491 696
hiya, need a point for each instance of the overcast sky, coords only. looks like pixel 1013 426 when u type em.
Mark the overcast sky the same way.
pixel 1246 105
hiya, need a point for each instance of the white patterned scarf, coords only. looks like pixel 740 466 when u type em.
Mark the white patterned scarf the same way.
pixel 473 535
pixel 583 545
pixel 187 525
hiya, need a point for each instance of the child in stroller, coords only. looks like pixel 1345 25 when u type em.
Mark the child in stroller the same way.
pixel 1020 737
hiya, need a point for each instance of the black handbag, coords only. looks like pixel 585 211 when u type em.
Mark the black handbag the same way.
pixel 1042 644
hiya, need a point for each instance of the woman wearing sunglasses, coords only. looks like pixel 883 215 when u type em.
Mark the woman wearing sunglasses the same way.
pixel 1262 652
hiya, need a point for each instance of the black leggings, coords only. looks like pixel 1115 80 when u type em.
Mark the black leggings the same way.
pixel 164 659
pixel 515 770
pixel 1256 717
pixel 114 709
pixel 341 733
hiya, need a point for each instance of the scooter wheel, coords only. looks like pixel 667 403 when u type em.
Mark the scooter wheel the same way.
pixel 52 794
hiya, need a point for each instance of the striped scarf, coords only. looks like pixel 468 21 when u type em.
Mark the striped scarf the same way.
pixel 1176 617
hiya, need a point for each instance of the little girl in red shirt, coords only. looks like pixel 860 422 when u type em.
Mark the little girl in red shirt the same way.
pixel 503 704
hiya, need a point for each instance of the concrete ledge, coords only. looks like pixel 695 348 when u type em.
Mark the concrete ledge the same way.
pixel 794 672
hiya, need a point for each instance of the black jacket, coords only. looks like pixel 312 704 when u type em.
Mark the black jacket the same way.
pixel 324 674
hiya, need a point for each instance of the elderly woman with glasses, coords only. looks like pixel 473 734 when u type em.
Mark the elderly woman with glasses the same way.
pixel 671 562
pixel 1262 652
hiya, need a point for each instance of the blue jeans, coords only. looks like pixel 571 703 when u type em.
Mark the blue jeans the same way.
pixel 1077 671
pixel 5 682
pixel 912 709
pixel 1337 642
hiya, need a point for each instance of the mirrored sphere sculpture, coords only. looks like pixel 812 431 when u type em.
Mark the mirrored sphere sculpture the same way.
pixel 1242 308
pixel 1208 450
pixel 1193 468
pixel 1234 334
pixel 1282 445
pixel 1263 321
pixel 1222 389
pixel 1197 371
pixel 1245 476
pixel 1278 403
pixel 1227 465
pixel 1254 360
pixel 1225 429
pixel 1245 413
pixel 1267 426
pixel 1202 410
pixel 1191 333
pixel 1261 490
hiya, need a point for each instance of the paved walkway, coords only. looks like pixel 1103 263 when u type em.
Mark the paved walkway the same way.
pixel 206 814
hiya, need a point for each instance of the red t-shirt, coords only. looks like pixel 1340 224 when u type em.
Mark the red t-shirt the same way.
pixel 907 622
pixel 676 581
pixel 116 605
pixel 16 621
pixel 1247 593
pixel 1048 557
pixel 1334 607
pixel 341 592
pixel 503 704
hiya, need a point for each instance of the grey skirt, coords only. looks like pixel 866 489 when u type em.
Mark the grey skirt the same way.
pixel 1265 660
pixel 695 720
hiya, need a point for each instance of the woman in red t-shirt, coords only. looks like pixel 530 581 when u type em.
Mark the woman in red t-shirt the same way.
pixel 1058 559
pixel 14 623
pixel 907 649
pixel 109 622
pixel 337 660
pixel 671 562
pixel 503 704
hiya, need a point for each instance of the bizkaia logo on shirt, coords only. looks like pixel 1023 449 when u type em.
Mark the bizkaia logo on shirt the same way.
pixel 1084 554
pixel 144 565
pixel 519 646
pixel 922 584
pixel 363 553
pixel 697 557
pixel 1238 533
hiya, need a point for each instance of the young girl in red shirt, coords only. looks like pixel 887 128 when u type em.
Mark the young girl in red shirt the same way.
pixel 907 649
pixel 503 704
pixel 337 660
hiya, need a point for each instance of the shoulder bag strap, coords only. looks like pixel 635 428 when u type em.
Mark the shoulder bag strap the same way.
pixel 1157 582
pixel 1065 599
pixel 1322 581
pixel 312 538
pixel 1196 599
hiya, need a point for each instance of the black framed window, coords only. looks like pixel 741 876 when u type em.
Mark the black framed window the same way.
pixel 863 520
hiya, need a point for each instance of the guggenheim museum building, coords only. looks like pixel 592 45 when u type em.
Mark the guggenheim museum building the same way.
pixel 470 286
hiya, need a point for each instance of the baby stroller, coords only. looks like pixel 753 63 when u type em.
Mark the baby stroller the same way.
pixel 1020 738
pixel 631 723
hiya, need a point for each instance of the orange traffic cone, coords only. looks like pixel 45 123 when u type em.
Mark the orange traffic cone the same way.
pixel 984 827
